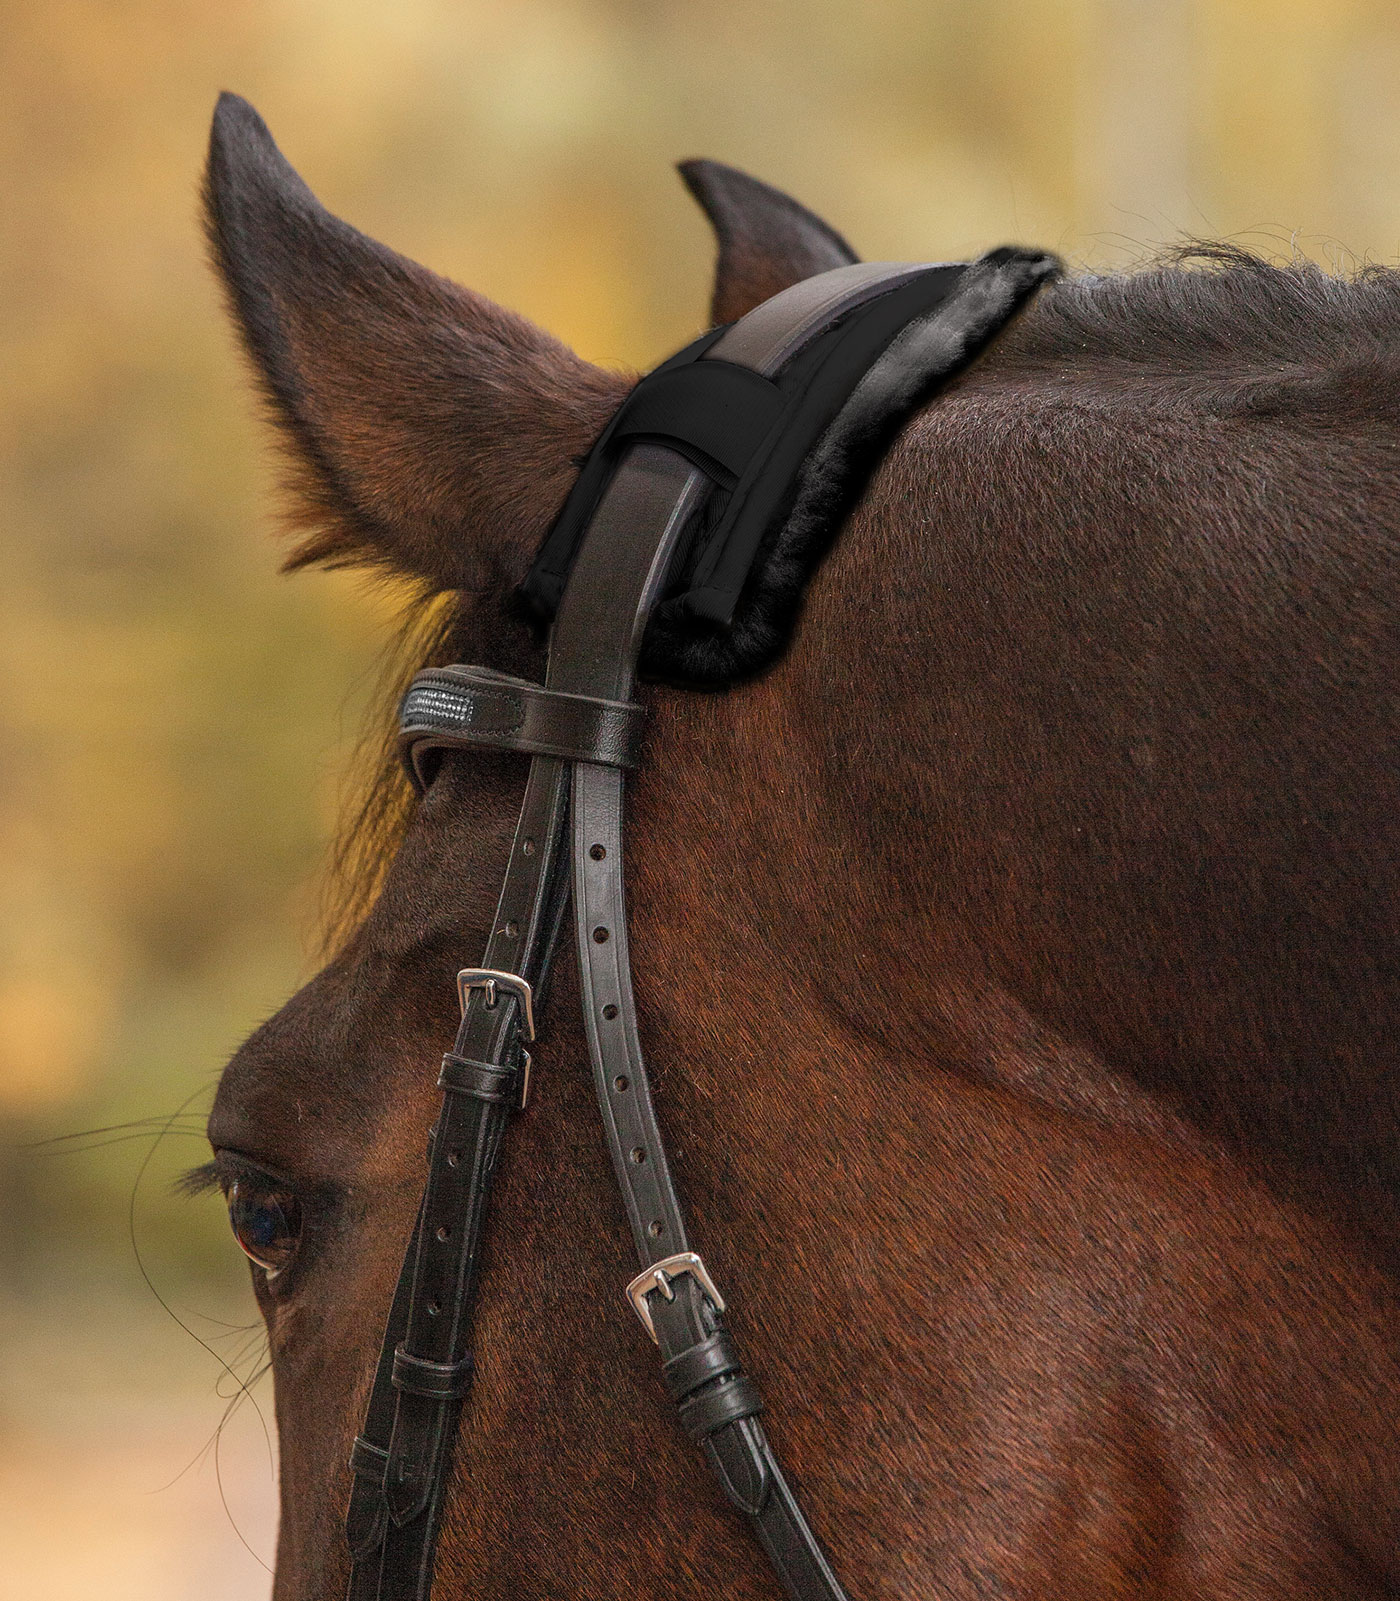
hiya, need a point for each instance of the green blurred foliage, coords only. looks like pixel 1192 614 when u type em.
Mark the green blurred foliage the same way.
pixel 176 721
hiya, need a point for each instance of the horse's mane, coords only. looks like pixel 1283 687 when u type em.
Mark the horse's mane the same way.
pixel 1221 313
pixel 1255 335
pixel 377 796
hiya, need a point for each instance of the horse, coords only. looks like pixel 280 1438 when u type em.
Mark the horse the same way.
pixel 1016 953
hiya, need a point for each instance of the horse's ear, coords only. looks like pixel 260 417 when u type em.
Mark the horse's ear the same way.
pixel 767 241
pixel 430 432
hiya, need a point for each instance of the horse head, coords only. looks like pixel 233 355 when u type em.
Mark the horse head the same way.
pixel 1014 949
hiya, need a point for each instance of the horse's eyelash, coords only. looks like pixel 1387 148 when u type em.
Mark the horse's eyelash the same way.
pixel 199 1180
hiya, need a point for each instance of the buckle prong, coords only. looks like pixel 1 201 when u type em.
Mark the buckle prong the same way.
pixel 489 980
pixel 658 1277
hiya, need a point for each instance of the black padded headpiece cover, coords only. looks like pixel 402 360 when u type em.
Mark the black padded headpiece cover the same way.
pixel 787 458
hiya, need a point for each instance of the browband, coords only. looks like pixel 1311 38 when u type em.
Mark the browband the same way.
pixel 458 707
pixel 681 499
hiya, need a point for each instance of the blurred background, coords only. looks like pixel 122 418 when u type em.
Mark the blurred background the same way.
pixel 177 723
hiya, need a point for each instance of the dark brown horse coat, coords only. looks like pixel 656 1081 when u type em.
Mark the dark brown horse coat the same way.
pixel 1017 959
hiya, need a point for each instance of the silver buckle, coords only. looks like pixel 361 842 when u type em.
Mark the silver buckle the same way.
pixel 659 1276
pixel 490 980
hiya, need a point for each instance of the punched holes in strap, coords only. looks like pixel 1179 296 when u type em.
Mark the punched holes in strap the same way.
pixel 438 1381
pixel 461 707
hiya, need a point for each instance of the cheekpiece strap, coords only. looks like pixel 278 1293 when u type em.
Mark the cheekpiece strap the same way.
pixel 736 413
pixel 449 708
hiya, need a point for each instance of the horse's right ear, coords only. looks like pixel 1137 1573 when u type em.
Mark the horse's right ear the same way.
pixel 767 241
pixel 431 432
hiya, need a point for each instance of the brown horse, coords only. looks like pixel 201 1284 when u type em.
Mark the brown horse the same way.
pixel 1055 864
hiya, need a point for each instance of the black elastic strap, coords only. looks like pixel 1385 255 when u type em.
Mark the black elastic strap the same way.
pixel 713 413
pixel 544 586
pixel 717 570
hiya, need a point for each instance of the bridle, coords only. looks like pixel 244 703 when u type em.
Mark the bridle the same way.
pixel 678 504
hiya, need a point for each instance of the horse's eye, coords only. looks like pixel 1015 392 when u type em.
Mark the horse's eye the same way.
pixel 266 1223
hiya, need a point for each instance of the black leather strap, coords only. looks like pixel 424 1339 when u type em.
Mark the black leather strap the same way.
pixel 714 1358
pixel 369 1460
pixel 401 1460
pixel 487 1081
pixel 439 1381
pixel 582 731
pixel 658 491
pixel 455 707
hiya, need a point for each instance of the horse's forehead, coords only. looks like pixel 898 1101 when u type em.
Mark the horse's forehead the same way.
pixel 324 1069
pixel 310 1090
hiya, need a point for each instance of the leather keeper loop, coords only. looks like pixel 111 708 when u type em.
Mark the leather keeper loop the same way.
pixel 711 1359
pixel 461 1075
pixel 463 707
pixel 727 1402
pixel 368 1460
pixel 438 1381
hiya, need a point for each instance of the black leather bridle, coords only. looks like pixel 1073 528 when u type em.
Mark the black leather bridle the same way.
pixel 677 503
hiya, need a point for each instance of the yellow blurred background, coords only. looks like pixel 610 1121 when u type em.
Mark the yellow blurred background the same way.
pixel 176 722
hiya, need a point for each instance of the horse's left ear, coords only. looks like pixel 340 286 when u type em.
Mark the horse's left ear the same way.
pixel 767 241
pixel 429 431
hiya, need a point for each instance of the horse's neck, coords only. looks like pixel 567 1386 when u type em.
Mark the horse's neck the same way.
pixel 785 958
pixel 962 892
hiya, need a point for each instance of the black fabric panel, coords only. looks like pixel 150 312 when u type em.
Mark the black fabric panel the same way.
pixel 817 385
pixel 808 501
pixel 715 413
pixel 783 482
pixel 543 588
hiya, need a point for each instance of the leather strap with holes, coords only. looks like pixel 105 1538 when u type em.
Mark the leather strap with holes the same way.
pixel 581 730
